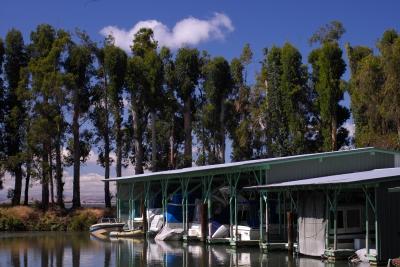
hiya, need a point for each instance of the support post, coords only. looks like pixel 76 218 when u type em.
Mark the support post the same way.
pixel 261 207
pixel 164 189
pixel 266 218
pixel 236 180
pixel 203 212
pixel 184 187
pixel 327 215
pixel 146 225
pixel 290 230
pixel 261 218
pixel 284 217
pixel 209 206
pixel 366 221
pixel 377 244
pixel 231 203
pixel 279 214
pixel 335 221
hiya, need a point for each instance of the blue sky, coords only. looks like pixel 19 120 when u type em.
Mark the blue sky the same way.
pixel 261 23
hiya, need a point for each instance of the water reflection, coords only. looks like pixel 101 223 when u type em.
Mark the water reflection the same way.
pixel 79 250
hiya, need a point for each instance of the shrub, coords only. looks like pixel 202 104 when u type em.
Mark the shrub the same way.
pixel 49 221
pixel 82 221
pixel 8 222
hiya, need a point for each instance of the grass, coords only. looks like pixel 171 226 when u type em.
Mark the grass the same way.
pixel 25 218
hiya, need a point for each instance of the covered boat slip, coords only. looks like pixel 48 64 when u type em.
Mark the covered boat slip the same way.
pixel 341 214
pixel 197 197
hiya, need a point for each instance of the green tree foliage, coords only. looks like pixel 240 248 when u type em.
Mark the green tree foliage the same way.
pixel 217 89
pixel 79 67
pixel 170 130
pixel 239 115
pixel 115 62
pixel 48 125
pixel 2 115
pixel 107 100
pixel 328 68
pixel 288 102
pixel 374 89
pixel 15 61
pixel 187 68
pixel 51 87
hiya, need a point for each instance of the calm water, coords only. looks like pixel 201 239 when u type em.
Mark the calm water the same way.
pixel 79 249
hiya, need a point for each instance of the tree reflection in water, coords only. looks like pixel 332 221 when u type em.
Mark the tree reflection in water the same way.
pixel 80 250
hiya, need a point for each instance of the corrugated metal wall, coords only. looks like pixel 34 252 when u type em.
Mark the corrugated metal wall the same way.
pixel 389 221
pixel 328 166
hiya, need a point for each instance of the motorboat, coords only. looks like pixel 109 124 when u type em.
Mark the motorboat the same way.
pixel 105 226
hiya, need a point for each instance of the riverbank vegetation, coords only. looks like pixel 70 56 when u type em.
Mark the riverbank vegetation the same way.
pixel 24 218
pixel 63 96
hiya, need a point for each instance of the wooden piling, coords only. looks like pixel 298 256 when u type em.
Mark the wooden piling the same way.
pixel 203 221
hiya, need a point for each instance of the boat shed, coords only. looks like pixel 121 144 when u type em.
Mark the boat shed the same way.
pixel 342 198
pixel 360 207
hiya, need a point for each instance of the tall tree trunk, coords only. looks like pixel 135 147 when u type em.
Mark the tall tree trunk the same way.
pixel 137 132
pixel 172 145
pixel 222 132
pixel 187 124
pixel 118 145
pixel 27 180
pixel 51 177
pixel 107 197
pixel 76 195
pixel 16 199
pixel 153 141
pixel 59 174
pixel 334 133
pixel 45 179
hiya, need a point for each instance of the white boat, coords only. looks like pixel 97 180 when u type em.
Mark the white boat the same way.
pixel 170 232
pixel 105 226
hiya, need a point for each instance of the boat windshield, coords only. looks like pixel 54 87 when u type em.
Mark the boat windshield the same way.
pixel 109 220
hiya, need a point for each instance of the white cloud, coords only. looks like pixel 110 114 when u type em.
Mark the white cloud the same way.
pixel 189 31
pixel 351 127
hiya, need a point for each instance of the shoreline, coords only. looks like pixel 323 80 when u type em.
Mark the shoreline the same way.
pixel 33 219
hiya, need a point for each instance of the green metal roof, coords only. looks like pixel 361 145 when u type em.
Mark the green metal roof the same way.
pixel 363 177
pixel 242 166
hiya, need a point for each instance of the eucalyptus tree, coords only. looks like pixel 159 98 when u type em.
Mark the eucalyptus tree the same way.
pixel 115 64
pixel 47 84
pixel 79 67
pixel 154 74
pixel 374 92
pixel 217 88
pixel 136 85
pixel 239 119
pixel 15 61
pixel 107 100
pixel 145 90
pixel 187 68
pixel 2 113
pixel 277 123
pixel 171 116
pixel 389 47
pixel 297 101
pixel 328 68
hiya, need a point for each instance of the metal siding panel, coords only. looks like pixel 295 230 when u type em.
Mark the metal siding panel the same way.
pixel 389 218
pixel 397 160
pixel 328 166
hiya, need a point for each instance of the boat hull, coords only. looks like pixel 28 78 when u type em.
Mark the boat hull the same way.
pixel 103 229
